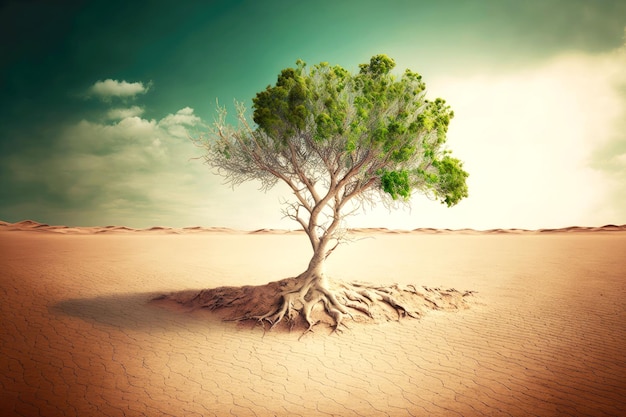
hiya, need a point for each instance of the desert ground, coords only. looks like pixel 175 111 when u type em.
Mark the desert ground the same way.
pixel 544 333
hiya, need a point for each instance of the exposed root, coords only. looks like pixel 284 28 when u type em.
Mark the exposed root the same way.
pixel 308 300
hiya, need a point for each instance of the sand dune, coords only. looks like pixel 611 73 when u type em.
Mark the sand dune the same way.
pixel 33 226
pixel 30 225
pixel 79 337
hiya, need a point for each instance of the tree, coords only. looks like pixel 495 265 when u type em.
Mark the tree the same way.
pixel 338 141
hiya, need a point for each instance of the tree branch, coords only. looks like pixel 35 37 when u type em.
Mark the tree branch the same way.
pixel 303 178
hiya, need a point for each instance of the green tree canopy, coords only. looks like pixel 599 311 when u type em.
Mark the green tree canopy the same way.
pixel 333 136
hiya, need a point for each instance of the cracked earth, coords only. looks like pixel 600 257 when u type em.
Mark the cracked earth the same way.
pixel 78 337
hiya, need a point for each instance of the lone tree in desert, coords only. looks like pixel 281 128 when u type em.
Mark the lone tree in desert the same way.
pixel 338 141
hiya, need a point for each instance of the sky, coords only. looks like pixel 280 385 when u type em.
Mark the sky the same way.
pixel 99 99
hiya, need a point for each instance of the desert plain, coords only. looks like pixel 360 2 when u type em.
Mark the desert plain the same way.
pixel 544 334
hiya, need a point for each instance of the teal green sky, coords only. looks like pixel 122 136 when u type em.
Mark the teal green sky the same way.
pixel 99 97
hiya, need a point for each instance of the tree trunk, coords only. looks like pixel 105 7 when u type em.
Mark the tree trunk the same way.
pixel 311 288
pixel 315 271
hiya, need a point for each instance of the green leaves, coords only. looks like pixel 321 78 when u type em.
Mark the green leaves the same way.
pixel 396 183
pixel 372 120
pixel 451 187
pixel 379 65
pixel 281 111
pixel 325 126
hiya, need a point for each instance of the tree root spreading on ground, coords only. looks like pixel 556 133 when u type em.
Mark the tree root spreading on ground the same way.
pixel 304 302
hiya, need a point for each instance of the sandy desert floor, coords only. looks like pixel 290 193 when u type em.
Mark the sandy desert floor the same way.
pixel 545 336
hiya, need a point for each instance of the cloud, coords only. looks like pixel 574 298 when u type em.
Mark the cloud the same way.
pixel 113 88
pixel 123 113
pixel 128 170
pixel 178 123
pixel 543 144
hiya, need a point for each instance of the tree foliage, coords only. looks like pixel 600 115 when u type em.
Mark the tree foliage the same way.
pixel 335 137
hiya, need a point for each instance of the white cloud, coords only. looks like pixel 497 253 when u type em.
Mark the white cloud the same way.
pixel 131 171
pixel 177 124
pixel 527 139
pixel 113 88
pixel 123 113
pixel 137 172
